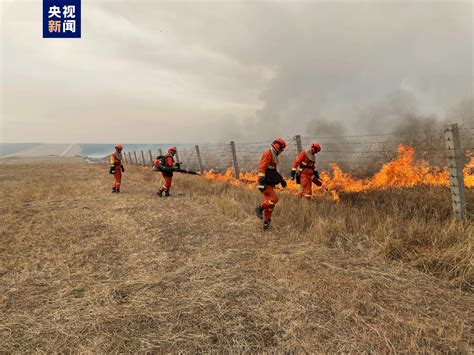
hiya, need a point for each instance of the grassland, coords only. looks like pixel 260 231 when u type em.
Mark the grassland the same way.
pixel 82 269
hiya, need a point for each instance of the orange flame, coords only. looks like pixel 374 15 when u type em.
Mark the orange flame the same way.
pixel 403 171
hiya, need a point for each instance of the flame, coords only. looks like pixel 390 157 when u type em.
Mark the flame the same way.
pixel 469 171
pixel 403 171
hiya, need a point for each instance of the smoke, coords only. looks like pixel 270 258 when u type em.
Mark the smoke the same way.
pixel 324 128
pixel 216 71
pixel 358 68
pixel 398 113
pixel 462 112
pixel 382 126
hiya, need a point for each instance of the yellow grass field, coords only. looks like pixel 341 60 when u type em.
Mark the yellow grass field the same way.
pixel 82 269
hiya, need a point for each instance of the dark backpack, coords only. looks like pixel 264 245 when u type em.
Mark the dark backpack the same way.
pixel 159 164
pixel 272 177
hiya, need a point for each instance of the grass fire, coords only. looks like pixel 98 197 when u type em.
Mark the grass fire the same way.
pixel 403 171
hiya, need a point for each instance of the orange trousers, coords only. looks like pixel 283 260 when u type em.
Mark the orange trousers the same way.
pixel 167 184
pixel 306 186
pixel 270 199
pixel 118 178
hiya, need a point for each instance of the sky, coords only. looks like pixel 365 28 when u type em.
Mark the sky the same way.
pixel 213 71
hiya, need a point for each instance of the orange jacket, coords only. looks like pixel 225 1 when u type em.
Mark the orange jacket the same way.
pixel 267 170
pixel 267 162
pixel 169 161
pixel 303 164
pixel 115 160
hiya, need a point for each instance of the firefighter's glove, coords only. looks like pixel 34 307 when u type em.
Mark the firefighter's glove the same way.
pixel 261 183
pixel 316 175
pixel 123 169
pixel 178 165
pixel 283 183
pixel 298 179
pixel 293 174
pixel 112 170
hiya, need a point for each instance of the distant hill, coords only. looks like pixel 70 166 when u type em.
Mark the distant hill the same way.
pixel 101 150
pixel 37 150
pixel 10 150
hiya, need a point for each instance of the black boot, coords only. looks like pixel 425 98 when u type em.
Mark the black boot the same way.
pixel 160 193
pixel 259 212
pixel 114 189
pixel 167 193
pixel 118 189
pixel 266 224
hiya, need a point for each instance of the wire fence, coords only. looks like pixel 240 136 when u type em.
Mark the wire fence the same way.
pixel 361 155
pixel 353 153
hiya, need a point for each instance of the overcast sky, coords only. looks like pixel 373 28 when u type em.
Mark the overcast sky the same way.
pixel 200 71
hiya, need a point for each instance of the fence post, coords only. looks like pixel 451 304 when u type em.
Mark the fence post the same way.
pixel 198 153
pixel 130 158
pixel 151 157
pixel 143 158
pixel 299 146
pixel 234 159
pixel 125 158
pixel 455 170
pixel 136 160
pixel 161 152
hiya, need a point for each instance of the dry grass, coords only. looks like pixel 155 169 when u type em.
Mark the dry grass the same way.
pixel 84 270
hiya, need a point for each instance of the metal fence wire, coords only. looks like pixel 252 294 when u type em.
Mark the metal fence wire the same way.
pixel 451 147
pixel 351 153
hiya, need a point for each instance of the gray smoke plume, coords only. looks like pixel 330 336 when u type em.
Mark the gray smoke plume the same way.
pixel 214 71
pixel 366 67
pixel 398 113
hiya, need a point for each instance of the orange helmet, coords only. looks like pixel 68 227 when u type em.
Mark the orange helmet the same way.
pixel 172 150
pixel 280 142
pixel 315 148
pixel 118 147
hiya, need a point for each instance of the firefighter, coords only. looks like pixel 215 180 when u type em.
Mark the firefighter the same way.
pixel 116 167
pixel 167 164
pixel 268 178
pixel 303 169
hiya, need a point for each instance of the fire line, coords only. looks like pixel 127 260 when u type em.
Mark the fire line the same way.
pixel 403 171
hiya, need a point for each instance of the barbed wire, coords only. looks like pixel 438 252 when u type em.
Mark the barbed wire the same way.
pixel 367 150
pixel 375 135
